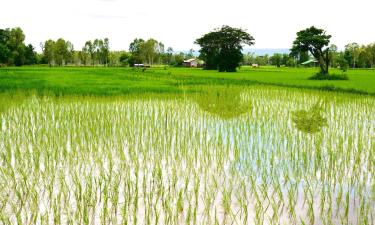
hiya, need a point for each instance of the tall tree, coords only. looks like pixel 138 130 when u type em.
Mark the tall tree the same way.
pixel 4 48
pixel 333 54
pixel 61 51
pixel 49 52
pixel 315 41
pixel 30 55
pixel 90 50
pixel 135 50
pixel 149 50
pixel 105 51
pixel 352 53
pixel 169 55
pixel 222 48
pixel 16 46
pixel 372 50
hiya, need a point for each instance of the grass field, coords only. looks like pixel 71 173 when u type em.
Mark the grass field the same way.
pixel 115 81
pixel 185 146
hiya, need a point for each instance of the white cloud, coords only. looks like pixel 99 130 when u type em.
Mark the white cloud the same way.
pixel 273 23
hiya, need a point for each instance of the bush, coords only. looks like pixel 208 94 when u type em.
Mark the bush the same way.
pixel 320 76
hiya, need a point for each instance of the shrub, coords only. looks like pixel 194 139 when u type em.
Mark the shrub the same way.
pixel 320 76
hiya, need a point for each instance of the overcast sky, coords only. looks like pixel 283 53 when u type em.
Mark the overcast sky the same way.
pixel 273 23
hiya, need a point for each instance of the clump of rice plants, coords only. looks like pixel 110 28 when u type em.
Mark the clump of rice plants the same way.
pixel 310 121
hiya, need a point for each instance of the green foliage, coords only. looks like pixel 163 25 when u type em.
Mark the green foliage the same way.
pixel 221 48
pixel 342 62
pixel 277 60
pixel 351 53
pixel 310 121
pixel 149 51
pixel 124 59
pixel 96 52
pixel 313 40
pixel 320 76
pixel 13 51
pixel 58 52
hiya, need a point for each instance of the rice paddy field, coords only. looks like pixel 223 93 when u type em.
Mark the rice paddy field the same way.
pixel 219 153
pixel 100 81
pixel 224 155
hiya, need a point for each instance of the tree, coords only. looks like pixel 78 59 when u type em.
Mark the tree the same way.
pixel 4 49
pixel 30 55
pixel 88 50
pixel 371 49
pixel 105 50
pixel 84 55
pixel 160 48
pixel 49 51
pixel 169 55
pixel 61 52
pixel 124 59
pixel 333 54
pixel 58 52
pixel 69 54
pixel 222 48
pixel 351 53
pixel 342 62
pixel 190 53
pixel 262 60
pixel 135 50
pixel 16 46
pixel 276 59
pixel 13 50
pixel 149 51
pixel 146 51
pixel 315 41
pixel 248 58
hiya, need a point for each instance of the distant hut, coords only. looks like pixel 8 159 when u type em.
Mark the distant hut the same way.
pixel 310 62
pixel 191 62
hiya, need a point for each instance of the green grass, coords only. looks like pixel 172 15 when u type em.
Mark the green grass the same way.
pixel 120 81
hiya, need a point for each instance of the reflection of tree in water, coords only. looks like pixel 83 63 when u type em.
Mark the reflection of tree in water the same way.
pixel 225 102
pixel 310 121
pixel 9 100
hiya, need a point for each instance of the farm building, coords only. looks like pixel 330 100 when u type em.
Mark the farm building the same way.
pixel 191 63
pixel 311 62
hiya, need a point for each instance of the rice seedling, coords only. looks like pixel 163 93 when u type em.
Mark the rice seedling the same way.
pixel 182 160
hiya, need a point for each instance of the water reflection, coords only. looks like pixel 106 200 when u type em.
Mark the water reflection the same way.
pixel 310 121
pixel 9 100
pixel 224 102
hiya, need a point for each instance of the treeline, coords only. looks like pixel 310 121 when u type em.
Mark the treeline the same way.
pixel 276 59
pixel 61 52
pixel 353 56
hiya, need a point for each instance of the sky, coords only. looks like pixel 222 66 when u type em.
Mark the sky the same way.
pixel 273 23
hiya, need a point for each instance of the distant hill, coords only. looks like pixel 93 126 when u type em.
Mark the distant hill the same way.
pixel 256 51
pixel 264 51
